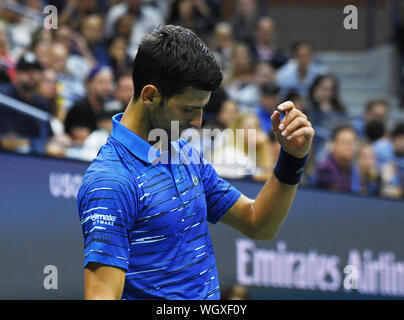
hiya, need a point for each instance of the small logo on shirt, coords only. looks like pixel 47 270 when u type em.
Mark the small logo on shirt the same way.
pixel 103 219
pixel 195 180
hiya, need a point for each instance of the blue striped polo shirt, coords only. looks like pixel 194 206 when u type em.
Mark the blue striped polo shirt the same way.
pixel 151 219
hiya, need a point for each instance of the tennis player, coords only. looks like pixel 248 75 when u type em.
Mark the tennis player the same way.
pixel 145 221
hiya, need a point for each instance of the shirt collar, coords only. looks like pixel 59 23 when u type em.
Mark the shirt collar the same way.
pixel 135 144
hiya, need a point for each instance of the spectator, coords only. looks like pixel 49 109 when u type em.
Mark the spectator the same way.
pixel 76 11
pixel 338 172
pixel 244 21
pixel 325 111
pixel 6 61
pixel 241 87
pixel 223 47
pixel 81 119
pixel 92 30
pixel 269 100
pixel 264 73
pixel 123 27
pixel 146 18
pixel 80 60
pixel 17 126
pixel 21 29
pixel 70 88
pixel 300 72
pixel 376 111
pixel 243 152
pixel 192 14
pixel 92 144
pixel 264 48
pixel 123 94
pixel 369 173
pixel 324 101
pixel 120 61
pixel 41 50
pixel 392 169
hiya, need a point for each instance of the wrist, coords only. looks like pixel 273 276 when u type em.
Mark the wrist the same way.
pixel 288 168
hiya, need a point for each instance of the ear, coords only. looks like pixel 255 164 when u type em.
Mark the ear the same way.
pixel 150 94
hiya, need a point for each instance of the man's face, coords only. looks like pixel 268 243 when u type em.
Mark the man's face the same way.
pixel 27 80
pixel 265 31
pixel 124 90
pixel 344 146
pixel 303 56
pixel 92 29
pixel 186 108
pixel 101 85
pixel 377 112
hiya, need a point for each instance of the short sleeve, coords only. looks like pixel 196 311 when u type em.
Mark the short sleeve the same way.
pixel 107 210
pixel 220 194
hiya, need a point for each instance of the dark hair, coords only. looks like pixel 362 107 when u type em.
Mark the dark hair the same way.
pixel 292 95
pixel 371 103
pixel 374 130
pixel 398 130
pixel 336 103
pixel 173 58
pixel 339 128
pixel 296 46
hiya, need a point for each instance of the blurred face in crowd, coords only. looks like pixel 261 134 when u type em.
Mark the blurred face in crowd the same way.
pixel 249 123
pixel 377 112
pixel 92 28
pixel 186 8
pixel 223 36
pixel 241 59
pixel 367 158
pixel 398 145
pixel 124 26
pixel 303 56
pixel 64 36
pixel 47 86
pixel 27 80
pixel 101 85
pixel 59 57
pixel 124 90
pixel 42 50
pixel 264 73
pixel 265 31
pixel 246 7
pixel 325 90
pixel 228 113
pixel 118 49
pixel 344 146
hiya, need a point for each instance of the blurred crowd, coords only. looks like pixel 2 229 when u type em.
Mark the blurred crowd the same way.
pixel 81 74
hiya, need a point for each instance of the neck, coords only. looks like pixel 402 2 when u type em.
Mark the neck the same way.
pixel 135 119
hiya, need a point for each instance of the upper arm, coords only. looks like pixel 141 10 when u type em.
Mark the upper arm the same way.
pixel 107 213
pixel 102 282
pixel 241 216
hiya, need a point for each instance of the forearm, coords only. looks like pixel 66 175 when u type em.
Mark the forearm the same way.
pixel 270 208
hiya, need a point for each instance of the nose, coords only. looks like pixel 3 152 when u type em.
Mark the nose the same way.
pixel 196 119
